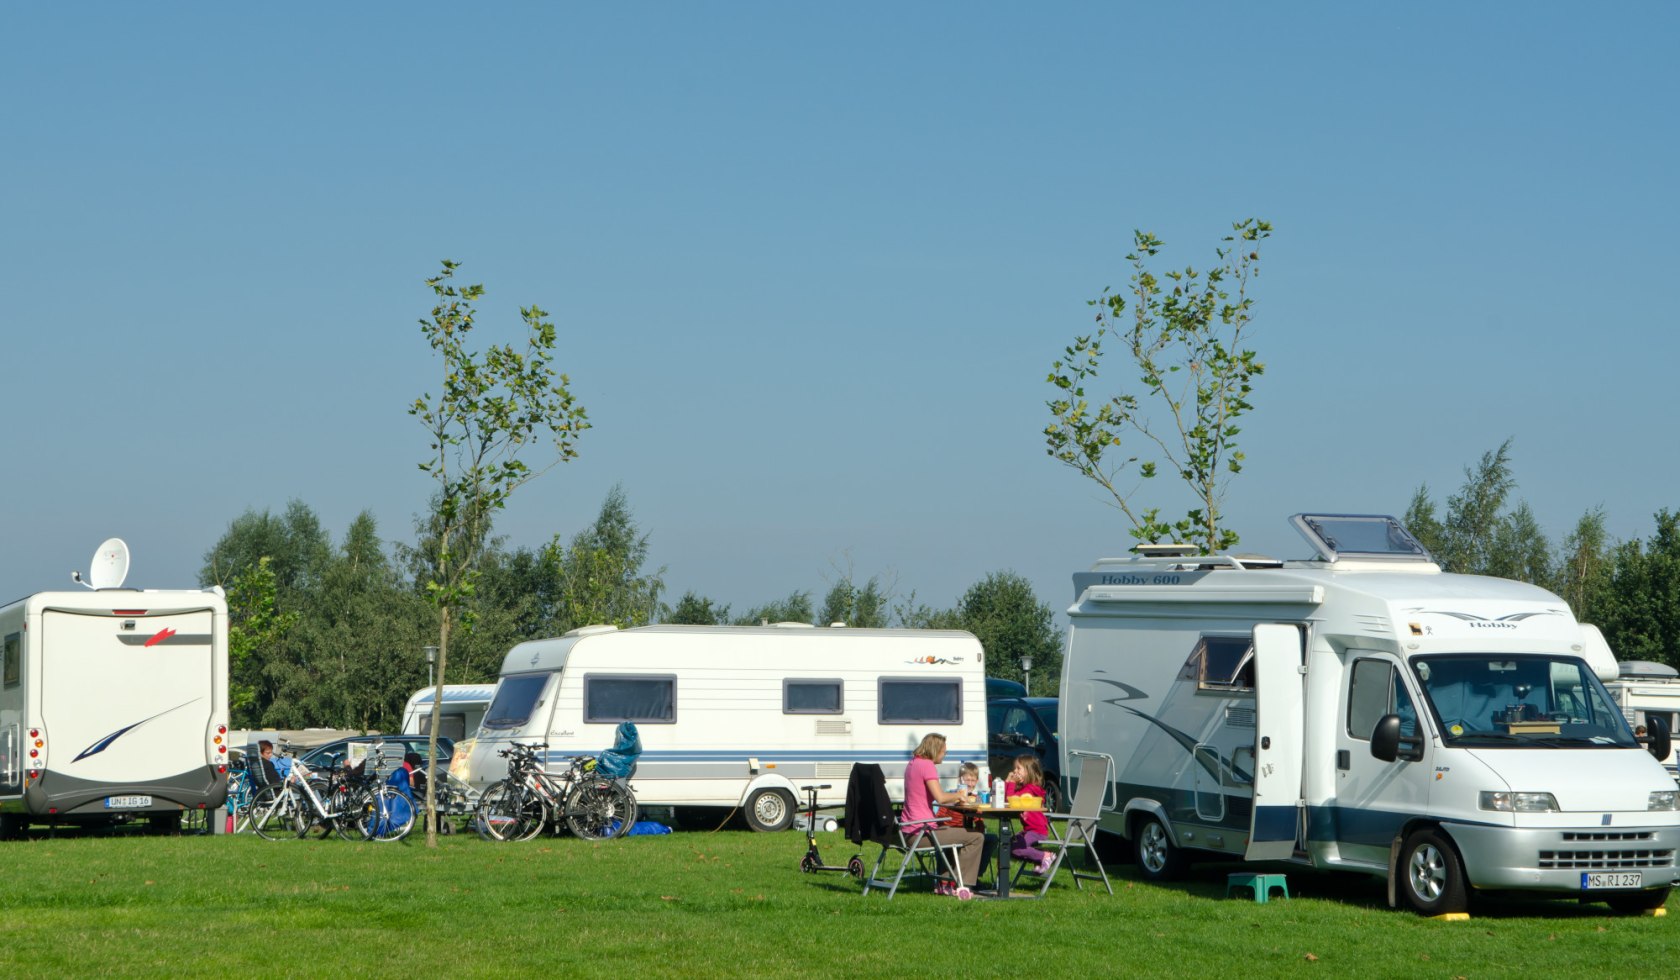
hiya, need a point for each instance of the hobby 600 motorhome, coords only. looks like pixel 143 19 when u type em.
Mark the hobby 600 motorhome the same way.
pixel 1362 710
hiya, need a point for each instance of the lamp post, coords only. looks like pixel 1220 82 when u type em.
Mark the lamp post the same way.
pixel 1026 673
pixel 431 662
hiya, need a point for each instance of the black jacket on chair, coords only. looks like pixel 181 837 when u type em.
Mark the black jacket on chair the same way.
pixel 869 812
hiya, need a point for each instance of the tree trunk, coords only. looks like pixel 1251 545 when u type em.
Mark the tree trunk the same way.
pixel 432 735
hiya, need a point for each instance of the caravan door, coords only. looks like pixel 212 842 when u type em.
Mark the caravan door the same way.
pixel 1279 720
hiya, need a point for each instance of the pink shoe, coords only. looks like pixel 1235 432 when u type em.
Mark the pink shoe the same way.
pixel 944 888
pixel 1044 865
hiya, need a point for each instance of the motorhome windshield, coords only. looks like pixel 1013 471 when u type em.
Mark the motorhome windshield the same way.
pixel 515 699
pixel 1520 700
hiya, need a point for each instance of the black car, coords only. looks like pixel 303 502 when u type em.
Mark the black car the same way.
pixel 1016 725
pixel 333 754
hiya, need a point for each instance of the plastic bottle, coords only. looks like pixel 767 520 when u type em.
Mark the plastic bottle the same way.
pixel 997 792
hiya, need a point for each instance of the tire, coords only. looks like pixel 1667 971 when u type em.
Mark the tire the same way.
pixel 1431 876
pixel 507 812
pixel 854 867
pixel 389 815
pixel 598 810
pixel 1052 794
pixel 166 824
pixel 1157 856
pixel 770 810
pixel 808 864
pixel 1637 902
pixel 271 813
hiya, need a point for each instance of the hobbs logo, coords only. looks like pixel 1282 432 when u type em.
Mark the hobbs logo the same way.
pixel 1475 625
pixel 1122 580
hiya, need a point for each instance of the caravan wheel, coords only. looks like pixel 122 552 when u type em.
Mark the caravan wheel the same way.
pixel 770 810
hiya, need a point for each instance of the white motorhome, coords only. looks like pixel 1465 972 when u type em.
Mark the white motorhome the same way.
pixel 740 716
pixel 113 704
pixel 463 709
pixel 1363 711
pixel 1643 689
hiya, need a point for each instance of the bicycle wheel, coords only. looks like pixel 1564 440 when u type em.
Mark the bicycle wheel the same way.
pixel 350 824
pixel 391 815
pixel 509 812
pixel 272 811
pixel 600 810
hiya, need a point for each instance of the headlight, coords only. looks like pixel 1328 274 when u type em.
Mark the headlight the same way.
pixel 1521 802
pixel 1666 799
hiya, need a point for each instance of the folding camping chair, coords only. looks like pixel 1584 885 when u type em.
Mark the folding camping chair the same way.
pixel 1079 828
pixel 871 817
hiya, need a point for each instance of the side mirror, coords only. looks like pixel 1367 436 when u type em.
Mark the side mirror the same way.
pixel 1659 742
pixel 1388 745
pixel 1385 738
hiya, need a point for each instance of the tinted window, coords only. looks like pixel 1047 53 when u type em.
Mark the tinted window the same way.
pixel 13 654
pixel 638 698
pixel 516 697
pixel 919 701
pixel 1221 663
pixel 452 725
pixel 812 697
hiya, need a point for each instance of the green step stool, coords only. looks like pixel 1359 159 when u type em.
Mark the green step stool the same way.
pixel 1260 885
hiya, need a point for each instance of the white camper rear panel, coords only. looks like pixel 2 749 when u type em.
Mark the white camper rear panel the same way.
pixel 126 698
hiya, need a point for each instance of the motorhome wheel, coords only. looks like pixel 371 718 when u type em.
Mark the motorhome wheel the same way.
pixel 1158 858
pixel 1433 878
pixel 770 810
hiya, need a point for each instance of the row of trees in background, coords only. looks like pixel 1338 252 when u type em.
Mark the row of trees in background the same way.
pixel 1629 589
pixel 332 634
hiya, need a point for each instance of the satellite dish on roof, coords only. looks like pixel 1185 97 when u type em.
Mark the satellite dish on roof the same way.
pixel 109 566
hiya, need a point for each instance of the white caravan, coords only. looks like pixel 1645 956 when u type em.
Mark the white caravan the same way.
pixel 1643 689
pixel 463 709
pixel 740 715
pixel 113 704
pixel 1363 711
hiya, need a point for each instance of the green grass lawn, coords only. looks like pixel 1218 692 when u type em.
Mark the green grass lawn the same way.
pixel 711 903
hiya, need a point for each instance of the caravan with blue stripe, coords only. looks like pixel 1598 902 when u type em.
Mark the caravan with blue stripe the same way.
pixel 739 716
pixel 1363 710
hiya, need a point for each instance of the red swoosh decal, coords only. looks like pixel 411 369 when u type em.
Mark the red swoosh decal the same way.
pixel 162 635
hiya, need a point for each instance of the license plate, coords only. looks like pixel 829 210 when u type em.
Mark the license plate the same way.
pixel 1612 879
pixel 126 802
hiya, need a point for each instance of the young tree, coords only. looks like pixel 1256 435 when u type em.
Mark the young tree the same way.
pixel 600 575
pixel 796 608
pixel 254 627
pixel 1186 338
pixel 490 408
pixel 864 608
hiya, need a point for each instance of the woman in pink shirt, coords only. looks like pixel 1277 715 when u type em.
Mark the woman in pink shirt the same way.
pixel 921 794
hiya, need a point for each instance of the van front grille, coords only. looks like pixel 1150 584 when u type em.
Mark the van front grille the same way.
pixel 1628 860
pixel 1604 835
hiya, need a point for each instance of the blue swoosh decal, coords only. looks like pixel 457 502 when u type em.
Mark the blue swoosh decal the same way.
pixel 105 742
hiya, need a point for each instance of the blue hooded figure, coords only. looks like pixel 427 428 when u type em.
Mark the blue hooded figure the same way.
pixel 619 762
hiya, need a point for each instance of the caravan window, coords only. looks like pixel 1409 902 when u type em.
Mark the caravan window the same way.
pixel 917 701
pixel 630 697
pixel 812 697
pixel 13 659
pixel 452 726
pixel 1221 663
pixel 515 699
pixel 1375 690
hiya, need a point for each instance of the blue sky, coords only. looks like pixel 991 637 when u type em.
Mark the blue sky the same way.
pixel 810 264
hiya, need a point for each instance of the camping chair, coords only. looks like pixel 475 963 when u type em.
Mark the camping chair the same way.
pixel 1078 832
pixel 871 817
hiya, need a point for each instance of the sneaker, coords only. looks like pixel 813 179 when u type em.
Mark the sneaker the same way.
pixel 944 888
pixel 963 893
pixel 1044 865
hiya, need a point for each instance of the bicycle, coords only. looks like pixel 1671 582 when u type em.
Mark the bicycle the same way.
pixel 375 810
pixel 593 807
pixel 354 807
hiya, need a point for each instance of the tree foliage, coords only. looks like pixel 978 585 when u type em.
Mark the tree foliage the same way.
pixel 1185 336
pixel 1004 613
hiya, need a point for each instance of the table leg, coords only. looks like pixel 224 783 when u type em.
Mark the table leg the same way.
pixel 1004 834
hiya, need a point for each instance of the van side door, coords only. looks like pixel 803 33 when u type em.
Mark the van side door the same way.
pixel 1279 721
pixel 1374 798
